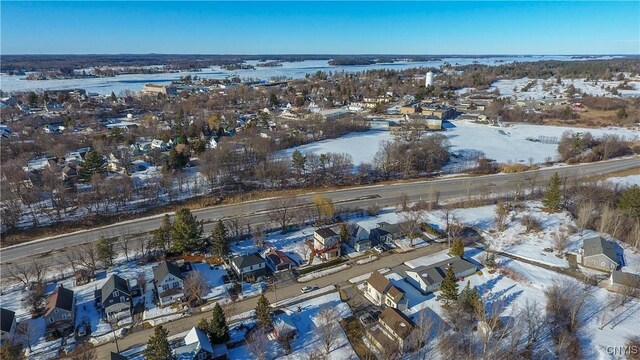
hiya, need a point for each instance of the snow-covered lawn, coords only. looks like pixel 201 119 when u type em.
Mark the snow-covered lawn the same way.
pixel 503 144
pixel 554 90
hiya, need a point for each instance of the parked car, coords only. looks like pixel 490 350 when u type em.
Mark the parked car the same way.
pixel 307 289
pixel 379 249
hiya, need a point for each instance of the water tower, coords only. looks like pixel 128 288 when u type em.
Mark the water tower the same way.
pixel 429 79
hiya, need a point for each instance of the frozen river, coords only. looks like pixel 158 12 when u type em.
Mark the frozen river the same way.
pixel 295 70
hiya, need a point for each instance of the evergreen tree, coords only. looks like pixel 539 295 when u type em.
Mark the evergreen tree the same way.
pixel 177 160
pixel 448 288
pixel 470 300
pixel 219 240
pixel 186 232
pixel 158 345
pixel 273 99
pixel 218 325
pixel 457 248
pixel 552 199
pixel 113 97
pixel 298 161
pixel 263 312
pixel 344 233
pixel 630 200
pixel 93 164
pixel 162 235
pixel 105 251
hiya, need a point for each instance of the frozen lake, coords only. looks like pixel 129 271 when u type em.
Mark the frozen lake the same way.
pixel 503 144
pixel 295 70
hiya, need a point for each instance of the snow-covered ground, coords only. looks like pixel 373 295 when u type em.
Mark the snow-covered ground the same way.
pixel 321 273
pixel 468 140
pixel 625 181
pixel 549 89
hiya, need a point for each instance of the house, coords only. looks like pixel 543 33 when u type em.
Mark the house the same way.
pixel 159 89
pixel 358 237
pixel 159 144
pixel 168 283
pixel 70 173
pixel 196 346
pixel 212 143
pixel 386 232
pixel 116 356
pixel 60 311
pixel 115 298
pixel 598 253
pixel 7 325
pixel 251 265
pixel 326 243
pixel 428 278
pixel 283 327
pixel 624 282
pixel 381 292
pixel 277 260
pixel 393 330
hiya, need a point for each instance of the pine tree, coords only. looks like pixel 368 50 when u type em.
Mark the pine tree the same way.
pixel 105 251
pixel 630 200
pixel 470 300
pixel 263 312
pixel 457 248
pixel 158 345
pixel 186 232
pixel 553 195
pixel 448 288
pixel 113 97
pixel 162 235
pixel 219 240
pixel 344 233
pixel 298 161
pixel 93 164
pixel 218 326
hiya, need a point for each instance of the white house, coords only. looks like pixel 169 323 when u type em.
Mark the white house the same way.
pixel 159 144
pixel 212 143
pixel 326 243
pixel 428 278
pixel 248 265
pixel 168 283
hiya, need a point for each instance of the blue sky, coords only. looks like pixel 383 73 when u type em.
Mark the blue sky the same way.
pixel 320 28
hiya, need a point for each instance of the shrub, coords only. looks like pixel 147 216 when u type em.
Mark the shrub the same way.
pixel 531 223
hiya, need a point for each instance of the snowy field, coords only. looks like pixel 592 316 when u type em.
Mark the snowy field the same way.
pixel 503 144
pixel 548 89
pixel 625 181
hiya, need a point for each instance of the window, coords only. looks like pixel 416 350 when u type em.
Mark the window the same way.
pixel 55 311
pixel 165 287
pixel 123 299
pixel 64 316
pixel 251 267
pixel 51 320
pixel 176 284
pixel 116 293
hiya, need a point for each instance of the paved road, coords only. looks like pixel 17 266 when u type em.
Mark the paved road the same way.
pixel 288 291
pixel 357 197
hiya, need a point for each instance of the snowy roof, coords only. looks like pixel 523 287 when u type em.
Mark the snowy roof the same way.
pixel 597 246
pixel 325 232
pixel 435 273
pixel 282 323
pixel 195 340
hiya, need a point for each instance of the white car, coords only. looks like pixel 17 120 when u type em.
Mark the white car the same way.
pixel 307 289
pixel 379 249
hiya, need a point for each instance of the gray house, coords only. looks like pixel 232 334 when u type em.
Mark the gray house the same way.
pixel 168 283
pixel 60 311
pixel 598 253
pixel 358 237
pixel 624 282
pixel 428 278
pixel 115 298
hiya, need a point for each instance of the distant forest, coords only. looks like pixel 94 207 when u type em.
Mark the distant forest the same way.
pixel 16 64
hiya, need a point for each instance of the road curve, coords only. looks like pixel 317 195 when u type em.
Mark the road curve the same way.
pixel 357 197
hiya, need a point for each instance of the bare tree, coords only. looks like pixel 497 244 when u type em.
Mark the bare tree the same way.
pixel 88 257
pixel 23 273
pixel 422 333
pixel 560 241
pixel 282 211
pixel 410 227
pixel 502 210
pixel 195 287
pixel 328 328
pixel 530 314
pixel 257 344
pixel 72 257
pixel 565 316
pixel 585 214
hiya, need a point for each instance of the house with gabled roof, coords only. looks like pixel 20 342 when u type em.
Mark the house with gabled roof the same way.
pixel 251 265
pixel 326 243
pixel 283 327
pixel 277 260
pixel 428 278
pixel 598 253
pixel 381 292
pixel 624 282
pixel 196 346
pixel 115 298
pixel 168 283
pixel 60 311
pixel 393 330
